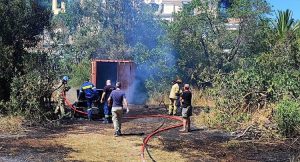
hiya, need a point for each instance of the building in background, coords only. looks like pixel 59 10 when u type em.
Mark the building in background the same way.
pixel 167 8
pixel 58 6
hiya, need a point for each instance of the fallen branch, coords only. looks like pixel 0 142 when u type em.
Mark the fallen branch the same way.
pixel 293 142
pixel 239 136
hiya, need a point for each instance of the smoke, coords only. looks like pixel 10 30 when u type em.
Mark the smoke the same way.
pixel 144 38
pixel 153 55
pixel 155 70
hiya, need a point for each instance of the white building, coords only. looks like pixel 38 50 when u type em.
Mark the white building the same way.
pixel 56 10
pixel 168 7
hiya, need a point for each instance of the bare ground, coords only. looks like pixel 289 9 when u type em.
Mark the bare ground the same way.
pixel 81 140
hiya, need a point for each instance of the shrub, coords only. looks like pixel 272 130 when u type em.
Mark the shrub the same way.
pixel 80 72
pixel 287 117
pixel 256 84
pixel 30 92
pixel 11 124
pixel 28 97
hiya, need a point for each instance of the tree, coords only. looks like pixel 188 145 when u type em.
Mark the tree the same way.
pixel 27 76
pixel 286 25
pixel 286 30
pixel 271 75
pixel 203 44
pixel 20 25
pixel 107 30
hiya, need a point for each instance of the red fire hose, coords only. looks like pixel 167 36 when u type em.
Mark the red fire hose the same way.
pixel 152 134
pixel 148 137
pixel 70 105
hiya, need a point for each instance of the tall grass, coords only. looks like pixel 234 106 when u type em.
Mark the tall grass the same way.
pixel 200 98
pixel 11 124
pixel 287 117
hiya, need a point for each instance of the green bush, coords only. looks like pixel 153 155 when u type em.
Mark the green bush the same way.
pixel 80 72
pixel 287 117
pixel 256 84
pixel 31 92
pixel 243 89
pixel 29 97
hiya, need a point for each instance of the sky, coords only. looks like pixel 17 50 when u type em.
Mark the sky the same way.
pixel 293 5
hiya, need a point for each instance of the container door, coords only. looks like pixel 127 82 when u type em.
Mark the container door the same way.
pixel 126 74
pixel 106 71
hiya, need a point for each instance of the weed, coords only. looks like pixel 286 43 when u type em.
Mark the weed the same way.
pixel 232 144
pixel 11 124
pixel 287 117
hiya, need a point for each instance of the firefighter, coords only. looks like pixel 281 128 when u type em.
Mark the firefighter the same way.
pixel 62 89
pixel 90 93
pixel 104 99
pixel 174 96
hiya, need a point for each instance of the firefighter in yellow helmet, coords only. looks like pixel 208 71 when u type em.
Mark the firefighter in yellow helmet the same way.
pixel 174 96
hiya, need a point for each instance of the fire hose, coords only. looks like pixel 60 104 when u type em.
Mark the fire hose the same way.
pixel 70 105
pixel 149 136
pixel 147 146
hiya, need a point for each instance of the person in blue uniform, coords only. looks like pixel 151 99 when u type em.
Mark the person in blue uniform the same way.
pixel 90 93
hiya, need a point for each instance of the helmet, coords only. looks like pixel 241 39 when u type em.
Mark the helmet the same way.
pixel 65 79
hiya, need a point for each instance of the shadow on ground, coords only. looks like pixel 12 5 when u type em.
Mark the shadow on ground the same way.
pixel 214 145
pixel 198 145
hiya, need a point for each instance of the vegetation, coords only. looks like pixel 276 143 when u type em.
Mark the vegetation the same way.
pixel 288 117
pixel 247 69
pixel 250 68
pixel 26 75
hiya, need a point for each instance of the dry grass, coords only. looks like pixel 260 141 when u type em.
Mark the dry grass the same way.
pixel 11 124
pixel 231 144
pixel 199 99
pixel 209 119
pixel 260 117
pixel 158 98
pixel 100 147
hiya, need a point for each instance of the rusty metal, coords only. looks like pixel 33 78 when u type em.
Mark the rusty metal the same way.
pixel 115 70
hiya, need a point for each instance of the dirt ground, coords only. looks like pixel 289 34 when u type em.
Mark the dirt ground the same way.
pixel 81 140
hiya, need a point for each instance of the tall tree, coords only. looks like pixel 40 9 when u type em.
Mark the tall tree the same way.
pixel 286 25
pixel 205 43
pixel 287 29
pixel 20 24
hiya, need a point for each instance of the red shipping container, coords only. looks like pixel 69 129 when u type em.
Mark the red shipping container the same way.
pixel 114 70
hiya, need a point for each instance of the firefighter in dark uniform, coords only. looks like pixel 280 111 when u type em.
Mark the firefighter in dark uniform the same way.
pixel 90 93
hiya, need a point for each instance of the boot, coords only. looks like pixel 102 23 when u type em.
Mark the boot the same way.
pixel 110 120
pixel 89 114
pixel 105 121
pixel 117 133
